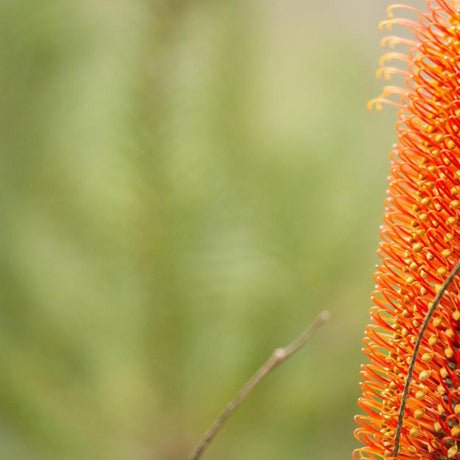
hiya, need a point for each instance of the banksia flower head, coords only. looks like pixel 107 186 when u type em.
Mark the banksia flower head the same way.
pixel 420 247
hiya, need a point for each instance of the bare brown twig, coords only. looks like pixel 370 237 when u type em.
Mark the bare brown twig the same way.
pixel 277 357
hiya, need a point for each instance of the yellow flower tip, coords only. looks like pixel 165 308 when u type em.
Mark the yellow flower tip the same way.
pixel 389 11
pixel 450 144
pixel 424 375
pixel 385 58
pixel 426 357
pixel 441 390
pixel 442 270
pixel 374 104
pixel 388 40
pixel 446 252
pixel 403 7
pixel 391 41
pixel 386 24
pixel 452 452
pixel 437 321
pixel 379 73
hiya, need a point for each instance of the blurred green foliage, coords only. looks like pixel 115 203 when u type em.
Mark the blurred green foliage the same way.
pixel 185 185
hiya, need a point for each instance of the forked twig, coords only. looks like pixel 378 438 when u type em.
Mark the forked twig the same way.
pixel 436 301
pixel 278 356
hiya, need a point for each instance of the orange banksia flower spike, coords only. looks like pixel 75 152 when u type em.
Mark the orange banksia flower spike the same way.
pixel 420 248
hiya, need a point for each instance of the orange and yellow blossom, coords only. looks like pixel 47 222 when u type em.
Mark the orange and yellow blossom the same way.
pixel 420 246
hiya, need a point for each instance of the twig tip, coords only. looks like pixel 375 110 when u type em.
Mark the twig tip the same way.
pixel 325 315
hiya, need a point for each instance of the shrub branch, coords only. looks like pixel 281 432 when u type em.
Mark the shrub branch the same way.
pixel 278 356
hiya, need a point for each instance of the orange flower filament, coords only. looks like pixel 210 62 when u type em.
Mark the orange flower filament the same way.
pixel 420 246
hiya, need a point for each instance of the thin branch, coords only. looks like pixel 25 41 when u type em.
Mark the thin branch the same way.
pixel 278 356
pixel 429 315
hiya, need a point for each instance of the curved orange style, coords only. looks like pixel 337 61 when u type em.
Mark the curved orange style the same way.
pixel 420 246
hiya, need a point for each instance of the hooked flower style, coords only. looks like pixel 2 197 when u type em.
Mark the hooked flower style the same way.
pixel 420 246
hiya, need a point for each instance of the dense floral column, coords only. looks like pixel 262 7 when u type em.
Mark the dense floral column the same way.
pixel 420 245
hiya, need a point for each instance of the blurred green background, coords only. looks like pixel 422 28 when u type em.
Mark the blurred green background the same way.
pixel 185 185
